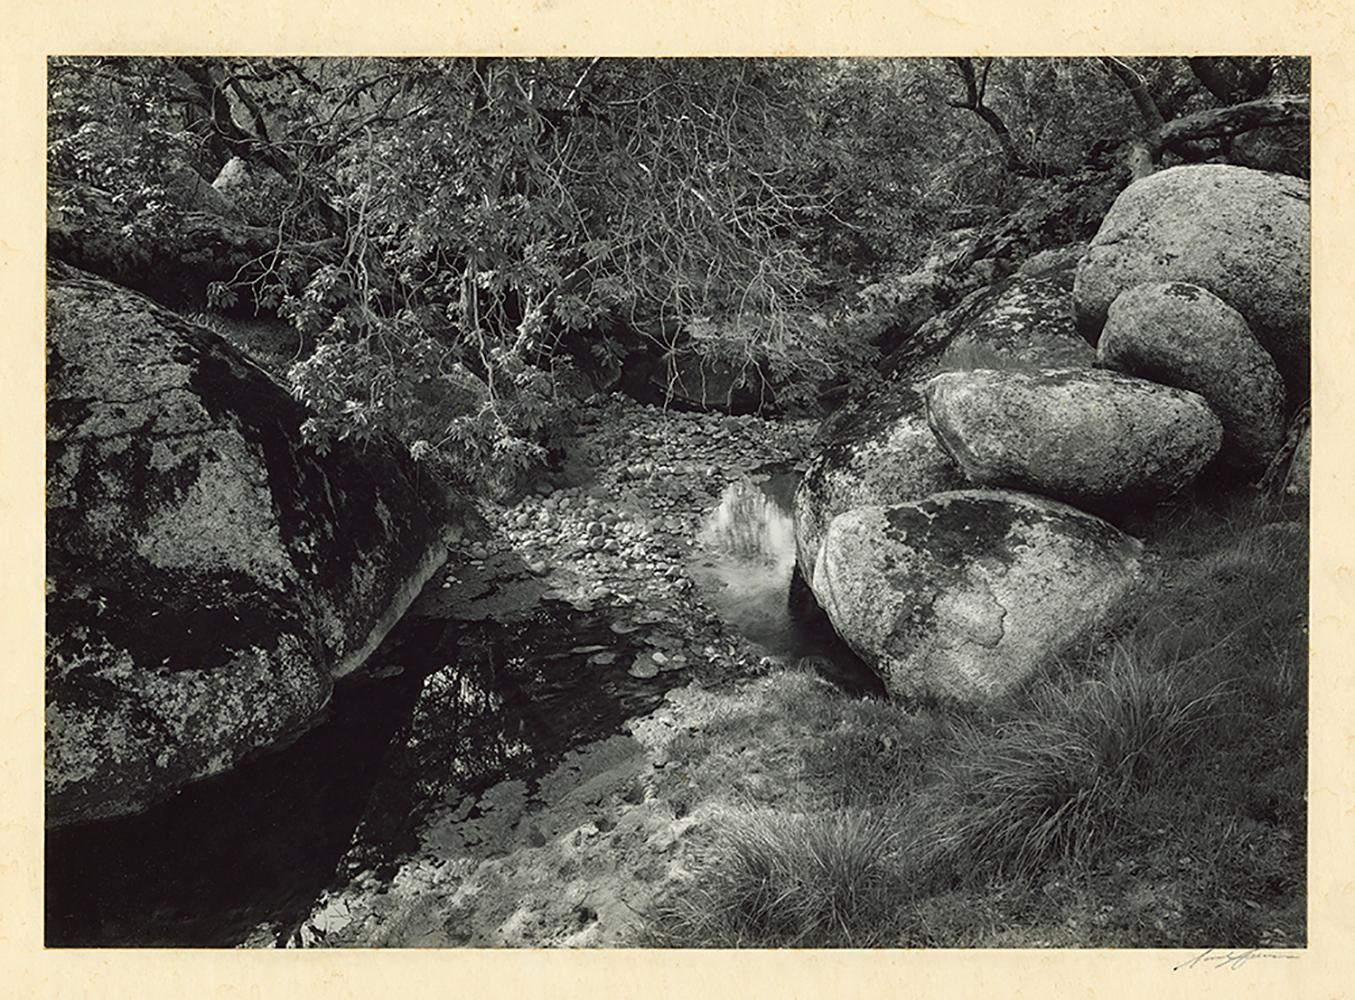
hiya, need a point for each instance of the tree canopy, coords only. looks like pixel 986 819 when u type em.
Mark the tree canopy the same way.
pixel 491 222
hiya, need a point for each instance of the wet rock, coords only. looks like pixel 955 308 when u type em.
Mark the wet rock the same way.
pixel 1082 436
pixel 209 574
pixel 881 452
pixel 1184 336
pixel 1242 234
pixel 961 596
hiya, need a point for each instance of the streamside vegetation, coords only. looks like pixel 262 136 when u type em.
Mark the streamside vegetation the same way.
pixel 539 381
pixel 1146 791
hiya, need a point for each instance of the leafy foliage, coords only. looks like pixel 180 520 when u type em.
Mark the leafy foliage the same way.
pixel 493 216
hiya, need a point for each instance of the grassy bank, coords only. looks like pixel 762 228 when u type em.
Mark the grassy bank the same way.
pixel 1147 790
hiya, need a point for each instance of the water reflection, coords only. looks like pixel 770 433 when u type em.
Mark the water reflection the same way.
pixel 462 706
pixel 507 702
pixel 744 564
pixel 744 558
pixel 751 530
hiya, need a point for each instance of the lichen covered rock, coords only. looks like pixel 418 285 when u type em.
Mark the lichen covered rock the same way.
pixel 879 453
pixel 1185 336
pixel 963 594
pixel 1020 322
pixel 1240 233
pixel 1081 436
pixel 208 573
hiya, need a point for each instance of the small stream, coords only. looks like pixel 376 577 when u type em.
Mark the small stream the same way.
pixel 744 565
pixel 445 710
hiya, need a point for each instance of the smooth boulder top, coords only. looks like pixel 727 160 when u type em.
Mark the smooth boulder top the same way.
pixel 1085 436
pixel 1240 233
pixel 883 452
pixel 964 594
pixel 1022 321
pixel 1185 336
pixel 209 573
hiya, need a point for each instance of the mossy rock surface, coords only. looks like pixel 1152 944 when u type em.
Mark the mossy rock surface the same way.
pixel 1240 233
pixel 1023 321
pixel 880 453
pixel 208 573
pixel 1182 335
pixel 1091 437
pixel 963 595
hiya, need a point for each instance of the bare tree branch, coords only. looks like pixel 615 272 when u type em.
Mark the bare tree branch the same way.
pixel 975 87
pixel 1138 90
pixel 1233 80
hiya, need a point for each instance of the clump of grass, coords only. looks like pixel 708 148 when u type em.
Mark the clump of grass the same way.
pixel 1053 784
pixel 817 880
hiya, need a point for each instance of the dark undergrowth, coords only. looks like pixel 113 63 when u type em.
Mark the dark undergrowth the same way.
pixel 1149 790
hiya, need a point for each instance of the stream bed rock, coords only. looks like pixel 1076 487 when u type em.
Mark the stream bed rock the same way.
pixel 963 595
pixel 209 575
pixel 1096 437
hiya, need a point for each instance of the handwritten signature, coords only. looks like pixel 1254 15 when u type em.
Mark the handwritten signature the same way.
pixel 1214 958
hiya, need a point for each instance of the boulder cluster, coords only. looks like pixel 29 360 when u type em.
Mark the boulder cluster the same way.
pixel 956 525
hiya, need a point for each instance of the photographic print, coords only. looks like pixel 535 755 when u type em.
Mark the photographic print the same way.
pixel 606 502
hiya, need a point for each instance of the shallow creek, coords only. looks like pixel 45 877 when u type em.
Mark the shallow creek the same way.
pixel 447 709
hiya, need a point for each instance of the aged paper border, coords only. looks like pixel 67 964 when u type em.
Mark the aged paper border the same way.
pixel 631 27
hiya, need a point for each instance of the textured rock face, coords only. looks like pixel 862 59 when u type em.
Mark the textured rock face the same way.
pixel 175 267
pixel 913 299
pixel 1053 261
pixel 882 453
pixel 962 595
pixel 1301 468
pixel 1026 321
pixel 1242 234
pixel 1081 436
pixel 208 575
pixel 1184 336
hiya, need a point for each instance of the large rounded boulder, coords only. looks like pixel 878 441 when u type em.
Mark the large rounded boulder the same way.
pixel 209 574
pixel 1085 436
pixel 964 594
pixel 879 453
pixel 1240 233
pixel 1183 335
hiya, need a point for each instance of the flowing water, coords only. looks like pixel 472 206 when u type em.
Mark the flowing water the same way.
pixel 445 710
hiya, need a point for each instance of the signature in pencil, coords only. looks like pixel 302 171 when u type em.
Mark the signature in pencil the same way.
pixel 1216 958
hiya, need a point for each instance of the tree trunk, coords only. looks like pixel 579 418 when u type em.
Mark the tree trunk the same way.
pixel 210 93
pixel 1224 123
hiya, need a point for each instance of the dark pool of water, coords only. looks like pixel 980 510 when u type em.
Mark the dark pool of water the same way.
pixel 472 703
pixel 451 709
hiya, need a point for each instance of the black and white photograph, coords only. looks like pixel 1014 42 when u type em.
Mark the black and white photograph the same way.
pixel 613 502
